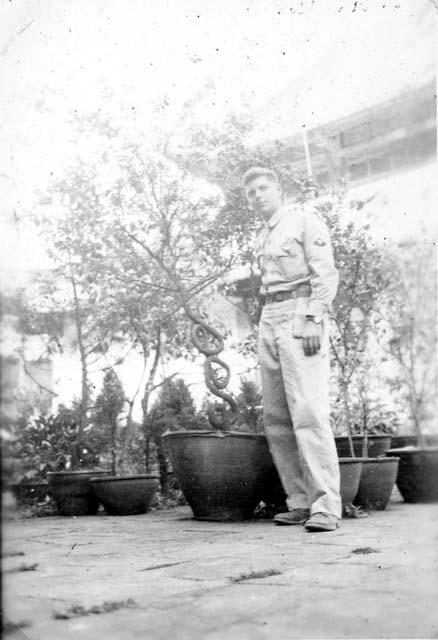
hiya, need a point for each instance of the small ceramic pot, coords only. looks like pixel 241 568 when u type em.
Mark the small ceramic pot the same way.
pixel 377 445
pixel 351 469
pixel 71 491
pixel 376 482
pixel 125 495
pixel 417 478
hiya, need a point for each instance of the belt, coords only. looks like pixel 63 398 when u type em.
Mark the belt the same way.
pixel 299 292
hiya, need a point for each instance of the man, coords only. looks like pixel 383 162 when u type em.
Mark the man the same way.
pixel 298 283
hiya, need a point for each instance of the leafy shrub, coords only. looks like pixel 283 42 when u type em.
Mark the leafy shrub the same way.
pixel 173 410
pixel 109 405
pixel 249 407
pixel 48 443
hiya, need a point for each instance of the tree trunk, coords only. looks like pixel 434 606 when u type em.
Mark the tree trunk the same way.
pixel 345 398
pixel 146 396
pixel 162 463
pixel 85 393
pixel 421 440
pixel 113 445
pixel 147 452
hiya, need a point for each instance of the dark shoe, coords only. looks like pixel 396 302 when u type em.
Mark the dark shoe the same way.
pixel 322 522
pixel 296 516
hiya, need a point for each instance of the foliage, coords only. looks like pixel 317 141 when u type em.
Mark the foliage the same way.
pixel 221 155
pixel 108 407
pixel 136 233
pixel 371 413
pixel 365 273
pixel 49 443
pixel 249 407
pixel 173 410
pixel 406 331
pixel 60 295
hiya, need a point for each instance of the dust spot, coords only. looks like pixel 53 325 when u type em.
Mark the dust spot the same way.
pixel 77 611
pixel 255 575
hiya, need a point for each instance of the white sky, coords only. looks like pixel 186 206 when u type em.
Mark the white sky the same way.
pixel 294 63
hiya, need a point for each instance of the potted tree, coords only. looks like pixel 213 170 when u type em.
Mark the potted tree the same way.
pixel 69 480
pixel 120 494
pixel 365 274
pixel 155 230
pixel 48 447
pixel 173 409
pixel 379 473
pixel 45 446
pixel 407 332
pixel 26 454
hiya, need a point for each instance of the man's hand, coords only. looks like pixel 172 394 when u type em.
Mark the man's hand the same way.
pixel 311 338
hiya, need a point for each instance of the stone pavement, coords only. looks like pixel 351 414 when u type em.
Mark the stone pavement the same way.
pixel 164 575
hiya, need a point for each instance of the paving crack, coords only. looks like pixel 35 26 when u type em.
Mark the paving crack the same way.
pixel 163 566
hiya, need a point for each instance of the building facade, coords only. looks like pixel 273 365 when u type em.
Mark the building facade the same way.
pixel 387 138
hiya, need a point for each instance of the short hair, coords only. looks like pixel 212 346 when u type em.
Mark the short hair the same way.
pixel 259 172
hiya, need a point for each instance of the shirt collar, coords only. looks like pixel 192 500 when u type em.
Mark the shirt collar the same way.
pixel 278 215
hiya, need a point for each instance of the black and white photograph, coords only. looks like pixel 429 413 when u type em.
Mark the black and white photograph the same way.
pixel 219 319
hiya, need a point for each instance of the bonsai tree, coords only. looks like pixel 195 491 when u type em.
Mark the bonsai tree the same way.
pixel 138 240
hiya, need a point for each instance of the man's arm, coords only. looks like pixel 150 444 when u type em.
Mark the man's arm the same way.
pixel 319 254
pixel 324 279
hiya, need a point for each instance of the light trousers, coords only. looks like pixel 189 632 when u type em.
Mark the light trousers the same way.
pixel 296 409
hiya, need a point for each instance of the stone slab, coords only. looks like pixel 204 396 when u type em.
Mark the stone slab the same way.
pixel 375 577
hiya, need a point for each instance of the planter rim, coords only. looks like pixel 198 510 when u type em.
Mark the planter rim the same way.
pixel 139 476
pixel 381 460
pixel 412 449
pixel 214 434
pixel 371 435
pixel 84 472
pixel 28 483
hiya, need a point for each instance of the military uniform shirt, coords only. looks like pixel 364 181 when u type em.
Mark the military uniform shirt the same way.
pixel 294 248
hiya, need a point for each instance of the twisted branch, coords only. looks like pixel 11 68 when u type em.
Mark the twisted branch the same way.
pixel 216 372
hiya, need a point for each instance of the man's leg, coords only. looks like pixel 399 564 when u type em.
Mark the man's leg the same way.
pixel 277 422
pixel 306 381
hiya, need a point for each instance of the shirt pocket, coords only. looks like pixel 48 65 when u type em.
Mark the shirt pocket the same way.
pixel 291 259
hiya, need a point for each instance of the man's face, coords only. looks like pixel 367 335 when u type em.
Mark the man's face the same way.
pixel 263 196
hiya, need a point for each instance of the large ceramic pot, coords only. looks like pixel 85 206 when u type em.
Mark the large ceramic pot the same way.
pixel 351 469
pixel 222 474
pixel 377 445
pixel 417 478
pixel 376 482
pixel 125 495
pixel 72 493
